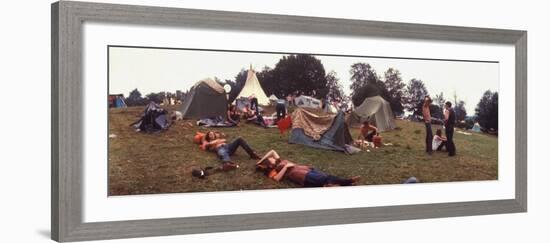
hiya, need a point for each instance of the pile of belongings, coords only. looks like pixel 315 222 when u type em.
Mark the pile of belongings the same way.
pixel 214 122
pixel 154 119
pixel 321 131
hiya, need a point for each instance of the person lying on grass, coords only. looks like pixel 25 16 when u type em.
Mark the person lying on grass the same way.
pixel 225 150
pixel 439 141
pixel 277 169
pixel 367 131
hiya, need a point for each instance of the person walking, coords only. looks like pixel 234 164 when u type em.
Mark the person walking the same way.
pixel 450 120
pixel 428 123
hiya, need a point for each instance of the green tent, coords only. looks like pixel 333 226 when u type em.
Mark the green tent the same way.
pixel 206 99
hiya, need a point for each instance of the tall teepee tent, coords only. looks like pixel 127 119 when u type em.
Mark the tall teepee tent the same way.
pixel 252 87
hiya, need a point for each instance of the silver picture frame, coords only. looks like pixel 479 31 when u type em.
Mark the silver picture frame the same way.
pixel 67 119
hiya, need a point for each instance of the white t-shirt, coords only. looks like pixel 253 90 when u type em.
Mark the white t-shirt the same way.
pixel 436 142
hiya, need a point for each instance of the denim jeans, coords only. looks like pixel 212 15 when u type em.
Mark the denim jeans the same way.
pixel 429 137
pixel 315 178
pixel 449 132
pixel 225 151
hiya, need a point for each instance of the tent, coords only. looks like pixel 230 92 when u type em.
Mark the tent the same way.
pixel 324 132
pixel 273 98
pixel 206 99
pixel 330 108
pixel 153 119
pixel 476 128
pixel 252 87
pixel 375 109
pixel 304 101
pixel 117 101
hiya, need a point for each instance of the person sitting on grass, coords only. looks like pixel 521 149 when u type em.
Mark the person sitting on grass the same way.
pixel 367 131
pixel 252 115
pixel 225 150
pixel 277 169
pixel 439 141
pixel 233 116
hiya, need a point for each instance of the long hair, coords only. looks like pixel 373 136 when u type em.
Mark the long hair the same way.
pixel 207 136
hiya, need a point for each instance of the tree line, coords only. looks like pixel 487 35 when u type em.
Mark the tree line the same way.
pixel 303 74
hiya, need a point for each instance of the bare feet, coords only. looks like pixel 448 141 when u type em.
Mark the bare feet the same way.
pixel 229 166
pixel 355 179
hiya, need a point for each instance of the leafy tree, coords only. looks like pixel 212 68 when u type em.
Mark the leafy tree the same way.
pixel 300 73
pixel 439 100
pixel 156 97
pixel 334 89
pixel 487 110
pixel 135 99
pixel 415 93
pixel 394 87
pixel 237 85
pixel 266 80
pixel 369 90
pixel 460 110
pixel 439 106
pixel 361 75
pixel 436 111
pixel 179 95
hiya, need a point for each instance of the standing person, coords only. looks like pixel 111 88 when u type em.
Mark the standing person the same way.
pixel 450 120
pixel 428 123
pixel 281 109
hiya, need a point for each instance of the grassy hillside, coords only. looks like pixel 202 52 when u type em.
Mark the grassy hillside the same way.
pixel 162 163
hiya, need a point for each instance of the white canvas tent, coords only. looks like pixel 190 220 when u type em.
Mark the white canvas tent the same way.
pixel 476 127
pixel 304 101
pixel 252 87
pixel 273 97
pixel 377 109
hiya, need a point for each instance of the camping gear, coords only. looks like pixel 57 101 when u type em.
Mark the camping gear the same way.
pixel 242 102
pixel 330 108
pixel 202 173
pixel 205 99
pixel 153 119
pixel 284 124
pixel 273 98
pixel 476 128
pixel 411 180
pixel 335 136
pixel 374 109
pixel 304 101
pixel 252 87
pixel 117 101
pixel 214 122
pixel 377 140
pixel 313 125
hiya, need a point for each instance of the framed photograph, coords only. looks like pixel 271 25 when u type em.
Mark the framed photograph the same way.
pixel 171 121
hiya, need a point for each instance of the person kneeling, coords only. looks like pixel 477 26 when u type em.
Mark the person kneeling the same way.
pixel 439 141
pixel 277 169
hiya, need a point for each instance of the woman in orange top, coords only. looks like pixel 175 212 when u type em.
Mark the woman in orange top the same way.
pixel 277 169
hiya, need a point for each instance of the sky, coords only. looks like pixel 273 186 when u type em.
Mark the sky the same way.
pixel 155 70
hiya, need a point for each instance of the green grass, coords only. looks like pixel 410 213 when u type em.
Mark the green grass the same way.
pixel 162 163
